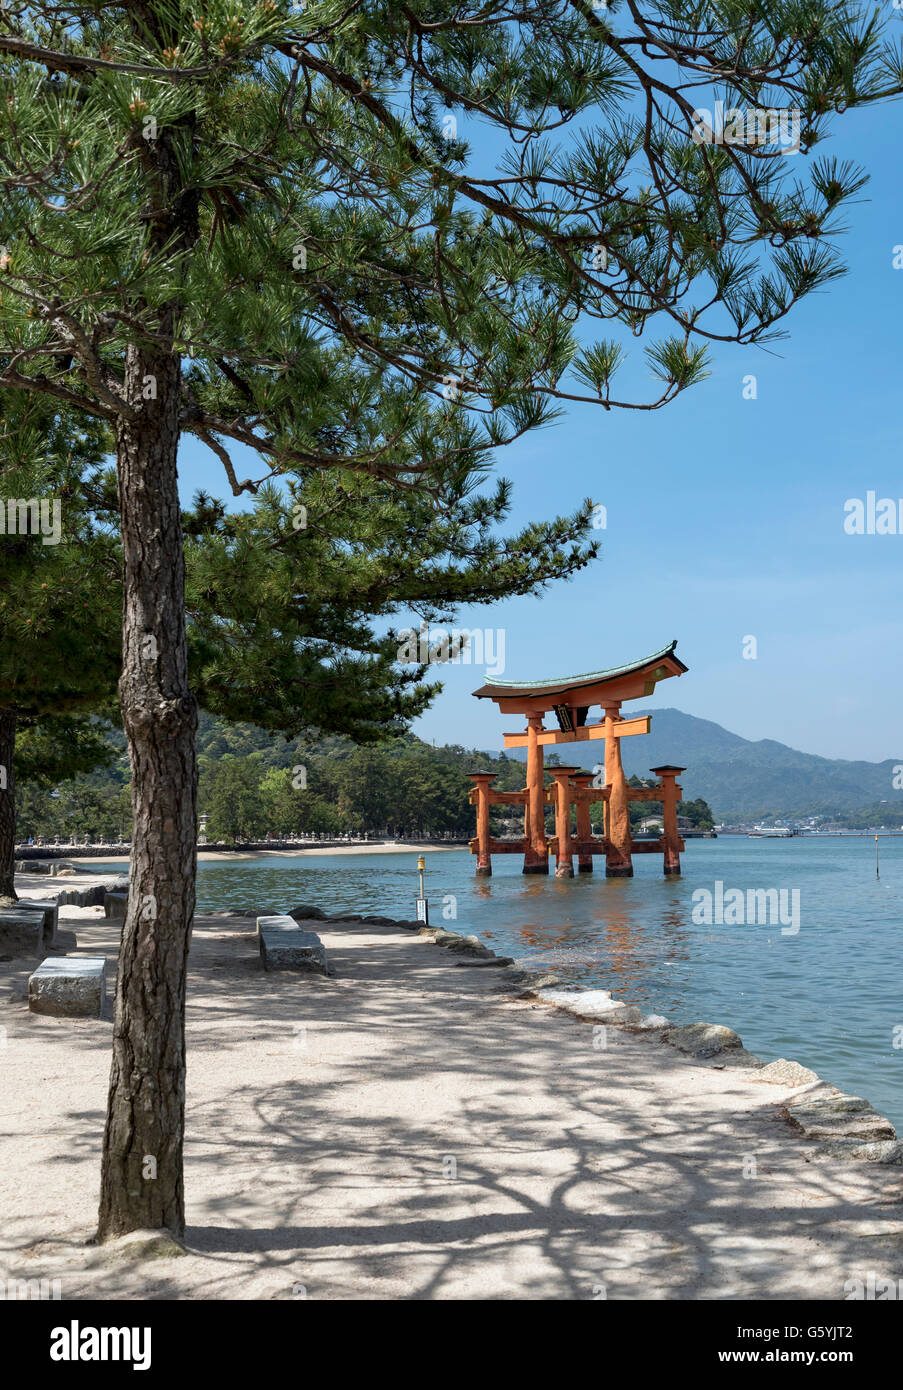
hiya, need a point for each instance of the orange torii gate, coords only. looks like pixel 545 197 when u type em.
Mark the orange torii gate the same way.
pixel 571 700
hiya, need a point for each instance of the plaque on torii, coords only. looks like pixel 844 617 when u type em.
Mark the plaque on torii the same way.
pixel 570 699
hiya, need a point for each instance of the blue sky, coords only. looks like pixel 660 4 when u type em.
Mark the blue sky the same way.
pixel 725 517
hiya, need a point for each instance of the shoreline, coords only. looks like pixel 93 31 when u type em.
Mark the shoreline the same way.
pixel 577 1164
pixel 39 886
pixel 209 854
pixel 223 856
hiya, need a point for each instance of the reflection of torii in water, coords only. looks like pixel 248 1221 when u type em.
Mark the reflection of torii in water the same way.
pixel 571 699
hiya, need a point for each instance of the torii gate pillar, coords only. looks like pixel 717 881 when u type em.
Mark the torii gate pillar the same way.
pixel 670 833
pixel 481 782
pixel 618 861
pixel 583 781
pixel 536 852
pixel 564 863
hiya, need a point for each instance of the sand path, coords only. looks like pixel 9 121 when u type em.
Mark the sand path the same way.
pixel 408 1129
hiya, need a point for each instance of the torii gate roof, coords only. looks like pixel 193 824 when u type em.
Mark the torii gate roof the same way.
pixel 634 681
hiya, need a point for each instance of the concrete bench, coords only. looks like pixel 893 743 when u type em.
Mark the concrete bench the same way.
pixel 21 931
pixel 284 946
pixel 51 913
pixel 69 987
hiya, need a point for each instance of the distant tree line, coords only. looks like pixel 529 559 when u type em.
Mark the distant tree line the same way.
pixel 252 784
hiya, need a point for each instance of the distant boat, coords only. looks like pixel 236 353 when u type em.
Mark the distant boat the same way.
pixel 775 832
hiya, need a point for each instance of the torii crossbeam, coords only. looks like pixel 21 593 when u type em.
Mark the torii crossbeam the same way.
pixel 571 699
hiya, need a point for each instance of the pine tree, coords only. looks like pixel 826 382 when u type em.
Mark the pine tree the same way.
pixel 59 614
pixel 262 228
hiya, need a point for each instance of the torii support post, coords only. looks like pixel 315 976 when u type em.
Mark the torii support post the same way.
pixel 670 833
pixel 582 782
pixel 480 794
pixel 564 860
pixel 536 853
pixel 618 863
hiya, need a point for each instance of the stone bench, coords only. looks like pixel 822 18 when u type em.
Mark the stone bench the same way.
pixel 21 930
pixel 285 946
pixel 69 987
pixel 51 913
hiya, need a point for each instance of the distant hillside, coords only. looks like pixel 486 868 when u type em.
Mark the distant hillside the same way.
pixel 248 781
pixel 743 779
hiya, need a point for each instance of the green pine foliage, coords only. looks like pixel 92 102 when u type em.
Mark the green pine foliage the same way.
pixel 59 595
pixel 353 284
pixel 290 604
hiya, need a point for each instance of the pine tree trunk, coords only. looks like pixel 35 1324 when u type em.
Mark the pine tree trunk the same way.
pixel 141 1180
pixel 7 806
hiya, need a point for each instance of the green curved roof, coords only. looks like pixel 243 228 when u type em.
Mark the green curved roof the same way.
pixel 549 687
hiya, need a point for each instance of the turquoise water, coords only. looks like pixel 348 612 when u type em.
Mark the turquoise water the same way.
pixel 829 995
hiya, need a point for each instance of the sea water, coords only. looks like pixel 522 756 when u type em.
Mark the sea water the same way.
pixel 827 991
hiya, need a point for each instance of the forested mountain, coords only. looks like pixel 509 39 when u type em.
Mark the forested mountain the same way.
pixel 252 783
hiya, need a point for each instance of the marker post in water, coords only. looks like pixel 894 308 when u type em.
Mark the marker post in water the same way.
pixel 423 907
pixel 877 870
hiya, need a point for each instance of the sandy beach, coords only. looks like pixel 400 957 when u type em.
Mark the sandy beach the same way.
pixel 306 851
pixel 412 1128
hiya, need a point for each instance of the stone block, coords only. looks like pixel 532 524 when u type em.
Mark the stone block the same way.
pixel 21 931
pixel 838 1117
pixel 594 1004
pixel 785 1072
pixel 534 981
pixel 703 1039
pixel 69 987
pixel 479 962
pixel 889 1151
pixel 285 949
pixel 115 904
pixel 276 921
pixel 468 945
pixel 51 913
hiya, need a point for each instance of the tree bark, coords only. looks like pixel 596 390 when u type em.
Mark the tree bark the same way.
pixel 7 806
pixel 141 1179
